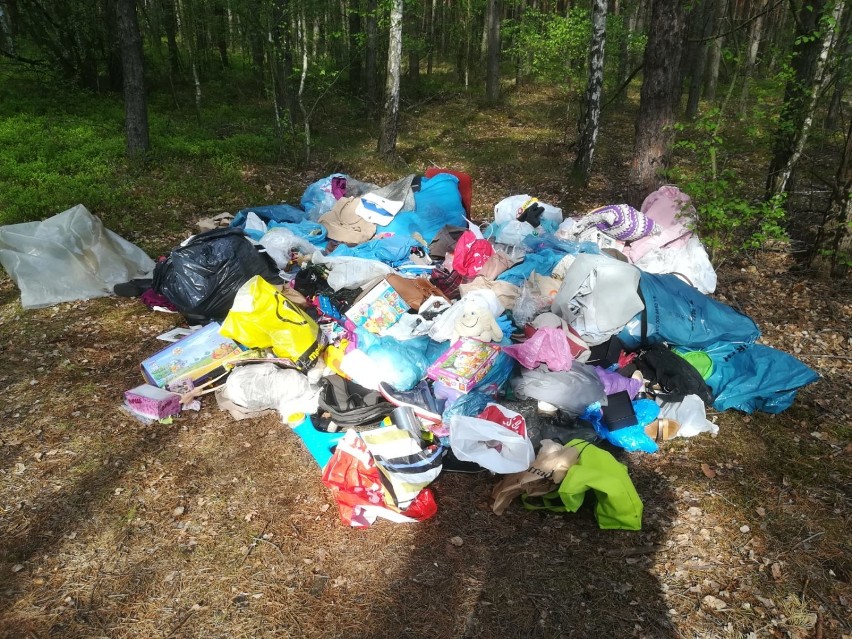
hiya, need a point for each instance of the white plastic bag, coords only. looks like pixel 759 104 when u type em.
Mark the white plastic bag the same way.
pixel 690 414
pixel 279 241
pixel 351 272
pixel 514 232
pixel 70 256
pixel 263 386
pixel 690 261
pixel 500 448
pixel 507 209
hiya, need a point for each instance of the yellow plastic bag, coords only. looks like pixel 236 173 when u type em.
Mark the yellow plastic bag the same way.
pixel 263 317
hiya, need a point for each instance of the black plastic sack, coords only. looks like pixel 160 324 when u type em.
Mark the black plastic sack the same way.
pixel 202 277
pixel 673 375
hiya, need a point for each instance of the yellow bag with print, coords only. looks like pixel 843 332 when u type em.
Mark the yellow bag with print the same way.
pixel 262 317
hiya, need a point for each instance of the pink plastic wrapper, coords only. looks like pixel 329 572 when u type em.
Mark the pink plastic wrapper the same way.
pixel 547 346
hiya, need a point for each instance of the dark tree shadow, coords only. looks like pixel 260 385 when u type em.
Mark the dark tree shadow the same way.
pixel 528 574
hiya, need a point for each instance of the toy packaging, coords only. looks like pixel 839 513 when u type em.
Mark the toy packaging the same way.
pixel 153 402
pixel 195 356
pixel 379 309
pixel 464 365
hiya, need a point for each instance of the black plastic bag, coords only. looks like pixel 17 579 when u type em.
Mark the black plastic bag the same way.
pixel 672 374
pixel 202 277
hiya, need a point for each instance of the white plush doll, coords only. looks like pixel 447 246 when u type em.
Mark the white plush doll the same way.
pixel 476 321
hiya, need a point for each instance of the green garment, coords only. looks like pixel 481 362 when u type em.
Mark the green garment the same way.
pixel 618 504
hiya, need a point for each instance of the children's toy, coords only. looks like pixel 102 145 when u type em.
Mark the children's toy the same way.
pixel 476 321
pixel 464 365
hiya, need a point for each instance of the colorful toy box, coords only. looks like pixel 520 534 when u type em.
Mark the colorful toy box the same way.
pixel 464 365
pixel 378 309
pixel 152 401
pixel 195 357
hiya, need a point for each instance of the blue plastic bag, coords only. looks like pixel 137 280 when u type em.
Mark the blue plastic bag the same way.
pixel 403 364
pixel 631 438
pixel 269 213
pixel 437 203
pixel 393 251
pixel 757 378
pixel 542 263
pixel 469 405
pixel 318 198
pixel 681 315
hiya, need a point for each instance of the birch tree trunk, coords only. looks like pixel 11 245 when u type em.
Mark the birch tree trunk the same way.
pixel 390 116
pixel 815 38
pixel 754 35
pixel 589 124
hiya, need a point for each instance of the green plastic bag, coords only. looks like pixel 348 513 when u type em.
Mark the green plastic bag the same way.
pixel 618 504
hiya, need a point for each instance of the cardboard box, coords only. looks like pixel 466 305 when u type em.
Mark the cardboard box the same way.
pixel 152 401
pixel 195 356
pixel 464 365
pixel 378 309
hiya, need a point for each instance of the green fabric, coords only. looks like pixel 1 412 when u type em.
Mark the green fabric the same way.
pixel 618 504
pixel 699 360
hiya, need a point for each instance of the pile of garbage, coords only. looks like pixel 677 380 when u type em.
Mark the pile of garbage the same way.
pixel 400 340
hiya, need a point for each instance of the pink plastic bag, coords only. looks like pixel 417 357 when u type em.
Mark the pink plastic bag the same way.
pixel 547 346
pixel 471 254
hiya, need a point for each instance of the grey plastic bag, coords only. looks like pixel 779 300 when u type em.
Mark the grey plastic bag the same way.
pixel 571 391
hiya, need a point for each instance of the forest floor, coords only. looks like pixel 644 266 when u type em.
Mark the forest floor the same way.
pixel 215 528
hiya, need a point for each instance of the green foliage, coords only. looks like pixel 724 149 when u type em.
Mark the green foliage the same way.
pixel 554 46
pixel 727 220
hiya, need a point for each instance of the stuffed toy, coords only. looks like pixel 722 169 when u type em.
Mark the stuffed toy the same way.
pixel 476 321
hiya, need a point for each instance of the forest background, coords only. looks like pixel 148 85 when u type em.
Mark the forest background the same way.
pixel 743 104
pixel 155 113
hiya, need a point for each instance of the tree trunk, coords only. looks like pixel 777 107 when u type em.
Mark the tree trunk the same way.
pixel 659 96
pixel 372 68
pixel 714 51
pixel 589 123
pixel 810 53
pixel 842 72
pixel 7 41
pixel 699 62
pixel 133 68
pixel 220 25
pixel 492 68
pixel 755 33
pixel 430 35
pixel 413 19
pixel 390 116
pixel 170 27
pixel 354 49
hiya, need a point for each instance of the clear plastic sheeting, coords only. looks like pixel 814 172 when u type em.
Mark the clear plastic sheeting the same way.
pixel 70 256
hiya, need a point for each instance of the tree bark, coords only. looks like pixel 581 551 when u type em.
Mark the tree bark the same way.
pixel 133 68
pixel 659 96
pixel 492 69
pixel 170 27
pixel 754 35
pixel 699 62
pixel 800 96
pixel 372 69
pixel 714 51
pixel 589 124
pixel 390 116
pixel 354 49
